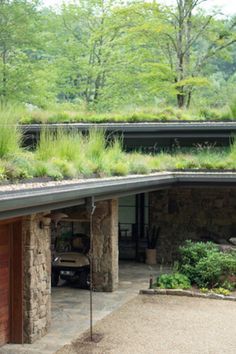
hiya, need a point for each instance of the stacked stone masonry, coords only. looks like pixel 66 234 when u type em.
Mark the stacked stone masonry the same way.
pixel 105 245
pixel 37 278
pixel 105 241
pixel 191 213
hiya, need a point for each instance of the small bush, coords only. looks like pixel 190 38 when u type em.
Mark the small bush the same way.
pixel 221 291
pixel 204 290
pixel 206 266
pixel 173 281
pixel 214 269
pixel 191 253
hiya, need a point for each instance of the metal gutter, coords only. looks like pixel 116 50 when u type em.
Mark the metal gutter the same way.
pixel 27 201
pixel 24 202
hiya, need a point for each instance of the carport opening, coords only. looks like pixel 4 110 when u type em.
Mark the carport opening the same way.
pixel 70 244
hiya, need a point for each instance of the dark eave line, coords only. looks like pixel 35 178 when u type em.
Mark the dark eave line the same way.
pixel 151 136
pixel 136 127
pixel 28 201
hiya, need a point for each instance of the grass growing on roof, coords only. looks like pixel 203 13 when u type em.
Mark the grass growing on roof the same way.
pixel 70 154
pixel 65 114
pixel 10 136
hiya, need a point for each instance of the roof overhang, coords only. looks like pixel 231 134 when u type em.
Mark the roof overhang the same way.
pixel 19 201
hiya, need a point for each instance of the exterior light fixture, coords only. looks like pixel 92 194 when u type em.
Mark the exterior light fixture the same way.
pixel 45 222
pixel 54 218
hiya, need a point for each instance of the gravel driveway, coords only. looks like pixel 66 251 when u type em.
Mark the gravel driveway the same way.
pixel 164 325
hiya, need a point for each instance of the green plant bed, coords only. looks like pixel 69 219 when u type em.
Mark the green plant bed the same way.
pixel 61 155
pixel 206 266
pixel 173 281
pixel 203 268
pixel 59 114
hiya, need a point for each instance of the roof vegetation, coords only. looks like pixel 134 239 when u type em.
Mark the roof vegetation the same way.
pixel 70 114
pixel 71 155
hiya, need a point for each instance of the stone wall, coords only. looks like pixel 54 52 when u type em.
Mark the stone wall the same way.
pixel 37 281
pixel 197 214
pixel 105 245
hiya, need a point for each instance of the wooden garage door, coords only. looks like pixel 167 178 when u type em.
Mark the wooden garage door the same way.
pixel 4 284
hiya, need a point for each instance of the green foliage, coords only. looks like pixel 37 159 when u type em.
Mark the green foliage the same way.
pixel 76 114
pixel 112 55
pixel 221 291
pixel 204 290
pixel 61 154
pixel 206 266
pixel 10 135
pixel 173 281
pixel 190 255
pixel 213 270
pixel 233 107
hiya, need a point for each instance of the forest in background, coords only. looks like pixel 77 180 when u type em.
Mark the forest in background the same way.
pixel 114 55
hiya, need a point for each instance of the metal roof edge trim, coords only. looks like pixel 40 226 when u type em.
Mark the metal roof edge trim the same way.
pixel 24 202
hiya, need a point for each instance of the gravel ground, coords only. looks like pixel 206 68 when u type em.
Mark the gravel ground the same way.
pixel 163 325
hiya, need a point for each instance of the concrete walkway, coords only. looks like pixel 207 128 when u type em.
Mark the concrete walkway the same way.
pixel 70 309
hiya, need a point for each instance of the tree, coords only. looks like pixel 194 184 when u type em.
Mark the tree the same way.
pixel 16 41
pixel 191 39
pixel 87 41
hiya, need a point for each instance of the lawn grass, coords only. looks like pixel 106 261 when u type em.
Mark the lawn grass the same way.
pixel 61 155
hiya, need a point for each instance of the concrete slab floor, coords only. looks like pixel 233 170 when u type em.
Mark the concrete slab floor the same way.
pixel 70 309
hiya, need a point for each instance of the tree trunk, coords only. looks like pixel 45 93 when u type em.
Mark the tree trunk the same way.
pixel 189 96
pixel 3 93
pixel 181 97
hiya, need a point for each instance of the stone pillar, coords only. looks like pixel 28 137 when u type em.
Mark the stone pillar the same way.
pixel 37 278
pixel 105 245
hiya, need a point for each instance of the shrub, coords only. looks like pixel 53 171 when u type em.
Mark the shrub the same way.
pixel 221 291
pixel 191 253
pixel 204 290
pixel 206 266
pixel 173 281
pixel 214 269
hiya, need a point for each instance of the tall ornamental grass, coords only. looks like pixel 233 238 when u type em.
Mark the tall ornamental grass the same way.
pixel 10 134
pixel 68 154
